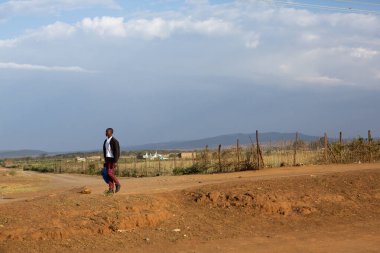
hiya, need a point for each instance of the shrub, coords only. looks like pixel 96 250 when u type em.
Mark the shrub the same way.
pixel 128 173
pixel 42 169
pixel 91 169
pixel 247 165
pixel 196 168
pixel 12 173
pixel 46 170
pixel 357 150
pixel 13 166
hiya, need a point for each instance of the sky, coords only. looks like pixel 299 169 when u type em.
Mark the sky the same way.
pixel 171 70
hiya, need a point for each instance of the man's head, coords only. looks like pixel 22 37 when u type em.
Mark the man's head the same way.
pixel 109 132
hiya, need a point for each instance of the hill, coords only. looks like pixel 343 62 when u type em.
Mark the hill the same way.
pixel 21 153
pixel 225 140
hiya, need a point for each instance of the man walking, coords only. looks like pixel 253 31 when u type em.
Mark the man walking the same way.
pixel 111 152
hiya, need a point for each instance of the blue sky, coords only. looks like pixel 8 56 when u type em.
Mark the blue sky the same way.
pixel 174 70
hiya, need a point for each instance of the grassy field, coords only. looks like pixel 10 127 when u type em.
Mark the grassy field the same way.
pixel 130 166
pixel 207 160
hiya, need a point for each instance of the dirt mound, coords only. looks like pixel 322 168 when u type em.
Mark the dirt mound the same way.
pixel 72 214
pixel 263 203
pixel 85 190
pixel 319 195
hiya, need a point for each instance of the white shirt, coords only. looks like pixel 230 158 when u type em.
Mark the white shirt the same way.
pixel 108 148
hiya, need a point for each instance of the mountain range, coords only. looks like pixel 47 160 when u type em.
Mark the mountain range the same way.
pixel 212 142
pixel 21 153
pixel 224 140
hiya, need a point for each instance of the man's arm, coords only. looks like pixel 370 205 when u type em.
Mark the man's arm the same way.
pixel 117 151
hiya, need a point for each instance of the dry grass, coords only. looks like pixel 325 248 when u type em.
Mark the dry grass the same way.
pixel 211 161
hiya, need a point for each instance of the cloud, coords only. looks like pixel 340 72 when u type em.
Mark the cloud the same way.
pixel 377 74
pixel 285 68
pixel 197 2
pixel 319 79
pixel 17 66
pixel 364 53
pixel 340 65
pixel 8 43
pixel 57 30
pixel 157 28
pixel 45 7
pixel 310 37
pixel 342 51
pixel 253 40
pixel 295 73
pixel 291 45
pixel 302 18
pixel 104 26
pixel 358 22
pixel 153 28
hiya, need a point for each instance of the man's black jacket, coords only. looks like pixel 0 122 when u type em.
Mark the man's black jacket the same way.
pixel 114 147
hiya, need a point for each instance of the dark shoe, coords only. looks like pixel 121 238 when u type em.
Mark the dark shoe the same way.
pixel 117 188
pixel 109 192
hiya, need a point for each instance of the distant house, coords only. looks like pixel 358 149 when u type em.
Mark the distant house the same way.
pixel 155 156
pixel 93 158
pixel 80 159
pixel 188 155
pixel 8 163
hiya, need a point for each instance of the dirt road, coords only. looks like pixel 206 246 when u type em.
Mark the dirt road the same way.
pixel 59 182
pixel 305 209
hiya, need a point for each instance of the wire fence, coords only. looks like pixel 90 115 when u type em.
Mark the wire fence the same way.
pixel 234 157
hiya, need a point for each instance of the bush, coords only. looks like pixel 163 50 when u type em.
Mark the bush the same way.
pixel 248 165
pixel 196 168
pixel 357 150
pixel 46 170
pixel 91 169
pixel 128 173
pixel 42 169
pixel 12 173
pixel 27 167
pixel 13 166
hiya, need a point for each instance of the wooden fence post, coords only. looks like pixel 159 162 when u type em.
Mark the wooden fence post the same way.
pixel 295 150
pixel 257 149
pixel 370 145
pixel 252 149
pixel 219 157
pixel 259 154
pixel 134 164
pixel 238 154
pixel 85 164
pixel 180 162
pixel 325 143
pixel 206 154
pixel 159 166
pixel 340 146
pixel 146 167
